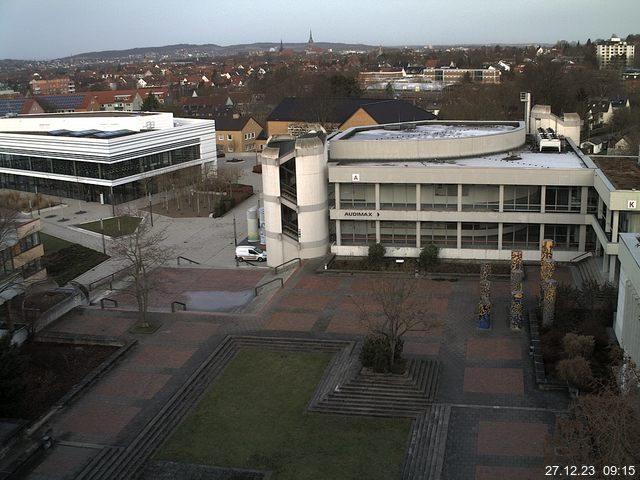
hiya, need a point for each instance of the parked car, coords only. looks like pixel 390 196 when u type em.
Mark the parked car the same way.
pixel 249 252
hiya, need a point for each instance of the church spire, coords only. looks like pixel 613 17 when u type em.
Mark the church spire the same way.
pixel 310 38
pixel 281 46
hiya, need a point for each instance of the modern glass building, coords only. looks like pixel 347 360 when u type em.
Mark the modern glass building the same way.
pixel 109 157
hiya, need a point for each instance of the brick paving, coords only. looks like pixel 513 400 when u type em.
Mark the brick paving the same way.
pixel 297 322
pixel 498 381
pixel 479 368
pixel 479 348
pixel 512 439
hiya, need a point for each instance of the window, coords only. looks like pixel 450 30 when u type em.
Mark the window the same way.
pixel 520 236
pixel 398 234
pixel 220 137
pixel 522 198
pixel 443 234
pixel 354 232
pixel 562 199
pixel 230 137
pixel 398 196
pixel 480 235
pixel 357 195
pixel 481 197
pixel 439 197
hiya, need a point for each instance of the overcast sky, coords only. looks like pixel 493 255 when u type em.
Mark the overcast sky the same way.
pixel 44 29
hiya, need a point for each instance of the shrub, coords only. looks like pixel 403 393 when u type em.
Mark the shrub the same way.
pixel 428 255
pixel 376 355
pixel 575 370
pixel 377 252
pixel 578 345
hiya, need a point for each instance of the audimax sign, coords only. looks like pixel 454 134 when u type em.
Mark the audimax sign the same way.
pixel 361 213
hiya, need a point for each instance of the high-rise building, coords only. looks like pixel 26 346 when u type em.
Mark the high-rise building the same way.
pixel 614 52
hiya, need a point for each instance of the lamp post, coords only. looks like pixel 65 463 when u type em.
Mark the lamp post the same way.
pixel 235 240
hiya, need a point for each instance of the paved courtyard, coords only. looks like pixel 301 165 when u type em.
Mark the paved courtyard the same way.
pixel 499 419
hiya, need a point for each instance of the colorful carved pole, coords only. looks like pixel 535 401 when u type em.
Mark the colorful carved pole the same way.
pixel 549 301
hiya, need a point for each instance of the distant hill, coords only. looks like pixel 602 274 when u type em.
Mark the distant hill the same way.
pixel 186 50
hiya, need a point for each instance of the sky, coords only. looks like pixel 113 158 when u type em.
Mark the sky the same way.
pixel 46 29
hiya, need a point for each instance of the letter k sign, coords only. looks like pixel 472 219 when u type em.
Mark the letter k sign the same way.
pixel 632 204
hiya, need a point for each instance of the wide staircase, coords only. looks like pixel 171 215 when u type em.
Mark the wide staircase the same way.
pixel 382 395
pixel 589 270
pixel 424 458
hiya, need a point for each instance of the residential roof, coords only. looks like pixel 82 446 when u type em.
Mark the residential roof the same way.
pixel 338 110
pixel 12 106
pixel 62 102
pixel 230 124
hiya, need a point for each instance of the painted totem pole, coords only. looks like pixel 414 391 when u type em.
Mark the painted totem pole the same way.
pixel 484 306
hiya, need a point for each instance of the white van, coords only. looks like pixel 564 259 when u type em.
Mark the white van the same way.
pixel 249 252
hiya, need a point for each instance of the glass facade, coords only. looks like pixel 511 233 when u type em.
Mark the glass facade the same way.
pixel 357 195
pixel 444 235
pixel 353 232
pixel 101 170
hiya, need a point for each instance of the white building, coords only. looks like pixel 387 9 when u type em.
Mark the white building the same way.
pixel 477 190
pixel 627 323
pixel 615 52
pixel 101 156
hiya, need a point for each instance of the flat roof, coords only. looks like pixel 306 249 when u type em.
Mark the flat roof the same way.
pixel 85 114
pixel 430 131
pixel 622 172
pixel 522 159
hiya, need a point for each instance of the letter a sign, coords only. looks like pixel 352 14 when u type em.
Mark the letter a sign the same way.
pixel 632 204
pixel 355 177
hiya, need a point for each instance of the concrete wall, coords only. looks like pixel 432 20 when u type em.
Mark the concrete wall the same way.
pixel 352 148
pixel 626 325
pixel 568 125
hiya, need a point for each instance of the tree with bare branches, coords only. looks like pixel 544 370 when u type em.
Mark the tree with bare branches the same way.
pixel 602 428
pixel 11 280
pixel 401 310
pixel 141 252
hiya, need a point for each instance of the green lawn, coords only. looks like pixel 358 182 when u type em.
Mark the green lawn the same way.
pixel 65 261
pixel 114 227
pixel 253 417
pixel 53 244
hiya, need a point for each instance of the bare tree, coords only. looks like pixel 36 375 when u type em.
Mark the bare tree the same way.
pixel 141 252
pixel 403 309
pixel 602 428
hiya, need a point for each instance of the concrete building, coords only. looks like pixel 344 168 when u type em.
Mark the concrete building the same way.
pixel 21 255
pixel 237 134
pixel 477 190
pixel 626 325
pixel 101 156
pixel 54 86
pixel 294 182
pixel 615 52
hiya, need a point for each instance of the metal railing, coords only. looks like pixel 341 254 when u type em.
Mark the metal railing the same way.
pixel 114 302
pixel 108 279
pixel 255 290
pixel 581 257
pixel 187 259
pixel 183 305
pixel 287 263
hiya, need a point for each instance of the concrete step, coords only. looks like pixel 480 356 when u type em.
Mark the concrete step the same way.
pixel 424 458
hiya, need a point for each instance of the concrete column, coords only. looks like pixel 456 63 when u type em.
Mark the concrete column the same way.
pixel 501 198
pixel 377 190
pixel 543 198
pixel 338 233
pixel 337 194
pixel 613 260
pixel 607 221
pixel 459 246
pixel 418 199
pixel 600 204
pixel 418 235
pixel 614 227
pixel 582 238
pixel 459 197
pixel 541 236
pixel 500 236
pixel 605 261
pixel 377 231
pixel 584 200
